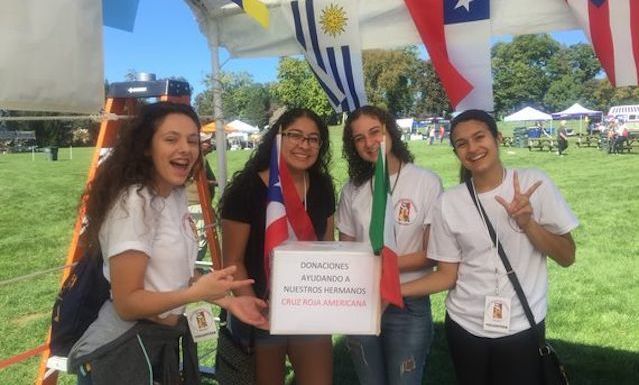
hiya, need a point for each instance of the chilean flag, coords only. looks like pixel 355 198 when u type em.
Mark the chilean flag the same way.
pixel 456 34
pixel 286 217
pixel 382 233
pixel 613 30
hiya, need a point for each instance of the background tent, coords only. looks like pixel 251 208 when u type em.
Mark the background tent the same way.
pixel 210 127
pixel 238 125
pixel 577 111
pixel 231 28
pixel 527 114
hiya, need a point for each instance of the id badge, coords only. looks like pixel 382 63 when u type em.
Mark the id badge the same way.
pixel 201 322
pixel 497 314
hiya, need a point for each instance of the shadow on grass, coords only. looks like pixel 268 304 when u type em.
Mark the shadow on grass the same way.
pixel 586 365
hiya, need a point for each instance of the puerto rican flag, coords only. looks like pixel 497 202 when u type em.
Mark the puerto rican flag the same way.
pixel 286 217
pixel 612 26
pixel 328 33
pixel 456 34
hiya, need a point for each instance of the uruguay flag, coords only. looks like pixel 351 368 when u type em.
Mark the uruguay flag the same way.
pixel 456 34
pixel 328 33
pixel 286 217
pixel 613 30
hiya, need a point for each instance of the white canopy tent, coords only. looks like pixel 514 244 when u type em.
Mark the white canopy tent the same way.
pixel 243 37
pixel 577 111
pixel 528 114
pixel 240 126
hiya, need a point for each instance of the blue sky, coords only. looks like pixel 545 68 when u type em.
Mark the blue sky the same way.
pixel 166 41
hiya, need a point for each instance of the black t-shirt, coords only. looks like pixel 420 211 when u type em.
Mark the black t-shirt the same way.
pixel 247 203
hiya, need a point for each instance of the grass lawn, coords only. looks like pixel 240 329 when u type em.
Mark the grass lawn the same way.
pixel 593 318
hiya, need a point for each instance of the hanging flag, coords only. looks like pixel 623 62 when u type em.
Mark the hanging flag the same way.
pixel 613 30
pixel 256 9
pixel 456 34
pixel 286 217
pixel 119 14
pixel 328 33
pixel 382 233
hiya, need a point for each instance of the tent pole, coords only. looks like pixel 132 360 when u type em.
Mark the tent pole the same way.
pixel 220 140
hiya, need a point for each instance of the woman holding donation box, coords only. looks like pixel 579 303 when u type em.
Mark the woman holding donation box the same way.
pixel 138 218
pixel 299 177
pixel 398 355
pixel 490 338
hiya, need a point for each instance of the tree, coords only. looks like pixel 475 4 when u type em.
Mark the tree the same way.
pixel 520 71
pixel 392 78
pixel 297 87
pixel 242 98
pixel 431 97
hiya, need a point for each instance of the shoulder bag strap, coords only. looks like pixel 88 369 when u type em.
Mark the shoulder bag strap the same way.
pixel 504 259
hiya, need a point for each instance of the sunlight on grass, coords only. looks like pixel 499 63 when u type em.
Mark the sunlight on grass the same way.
pixel 593 307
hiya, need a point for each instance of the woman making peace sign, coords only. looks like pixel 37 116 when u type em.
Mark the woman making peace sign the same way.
pixel 490 338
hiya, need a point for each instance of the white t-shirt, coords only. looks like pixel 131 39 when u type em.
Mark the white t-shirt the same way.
pixel 161 228
pixel 413 197
pixel 458 234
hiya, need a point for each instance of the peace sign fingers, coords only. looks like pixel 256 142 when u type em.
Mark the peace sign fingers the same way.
pixel 519 208
pixel 532 188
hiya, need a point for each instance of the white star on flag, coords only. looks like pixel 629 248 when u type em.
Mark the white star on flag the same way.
pixel 463 3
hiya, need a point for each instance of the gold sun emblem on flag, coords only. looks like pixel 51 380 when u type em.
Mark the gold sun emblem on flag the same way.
pixel 333 20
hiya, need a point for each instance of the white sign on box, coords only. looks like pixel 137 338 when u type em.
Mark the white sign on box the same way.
pixel 325 288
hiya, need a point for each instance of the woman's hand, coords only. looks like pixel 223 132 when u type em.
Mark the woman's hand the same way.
pixel 519 208
pixel 247 309
pixel 216 284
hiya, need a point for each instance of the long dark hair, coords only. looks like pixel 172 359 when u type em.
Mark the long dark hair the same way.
pixel 260 158
pixel 480 116
pixel 129 163
pixel 359 170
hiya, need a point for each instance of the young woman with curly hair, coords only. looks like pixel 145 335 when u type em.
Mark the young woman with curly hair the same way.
pixel 398 355
pixel 138 218
pixel 305 150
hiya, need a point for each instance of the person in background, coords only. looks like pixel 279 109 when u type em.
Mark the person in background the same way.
pixel 494 344
pixel 138 219
pixel 193 197
pixel 398 355
pixel 562 138
pixel 611 135
pixel 621 136
pixel 431 135
pixel 306 153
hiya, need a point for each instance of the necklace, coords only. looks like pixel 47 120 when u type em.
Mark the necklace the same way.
pixel 392 190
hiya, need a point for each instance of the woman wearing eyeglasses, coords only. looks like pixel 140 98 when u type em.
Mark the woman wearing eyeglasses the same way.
pixel 398 355
pixel 305 150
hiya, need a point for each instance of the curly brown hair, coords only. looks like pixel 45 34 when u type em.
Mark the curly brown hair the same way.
pixel 359 170
pixel 260 158
pixel 128 164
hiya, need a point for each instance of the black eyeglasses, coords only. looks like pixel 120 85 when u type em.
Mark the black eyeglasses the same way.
pixel 298 138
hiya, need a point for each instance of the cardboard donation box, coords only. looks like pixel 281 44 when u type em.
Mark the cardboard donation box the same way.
pixel 325 288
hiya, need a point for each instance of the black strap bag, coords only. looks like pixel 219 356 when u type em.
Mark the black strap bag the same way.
pixel 78 303
pixel 554 372
pixel 234 362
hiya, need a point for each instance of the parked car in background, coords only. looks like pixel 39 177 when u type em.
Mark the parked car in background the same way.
pixel 629 114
